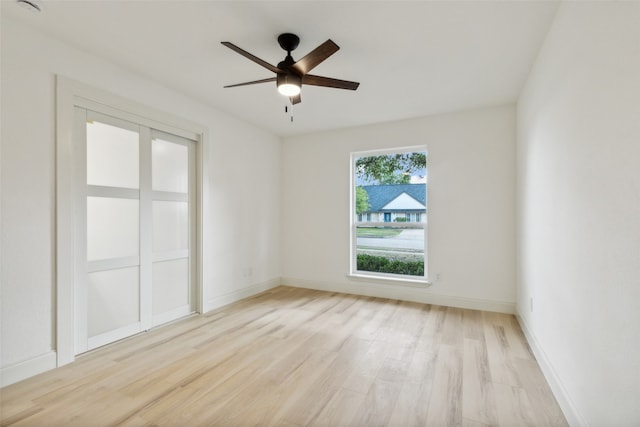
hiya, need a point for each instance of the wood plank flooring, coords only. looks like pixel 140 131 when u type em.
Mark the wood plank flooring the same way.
pixel 297 357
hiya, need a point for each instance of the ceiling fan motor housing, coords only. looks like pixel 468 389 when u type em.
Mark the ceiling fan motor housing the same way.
pixel 288 78
pixel 287 63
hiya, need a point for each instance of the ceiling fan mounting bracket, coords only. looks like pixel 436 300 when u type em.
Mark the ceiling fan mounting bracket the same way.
pixel 288 41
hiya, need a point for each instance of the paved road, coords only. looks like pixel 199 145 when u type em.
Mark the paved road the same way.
pixel 408 239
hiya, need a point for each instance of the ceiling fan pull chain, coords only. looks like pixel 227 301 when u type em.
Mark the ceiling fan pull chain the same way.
pixel 291 109
pixel 286 110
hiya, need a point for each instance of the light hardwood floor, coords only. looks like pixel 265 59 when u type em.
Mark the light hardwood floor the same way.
pixel 296 357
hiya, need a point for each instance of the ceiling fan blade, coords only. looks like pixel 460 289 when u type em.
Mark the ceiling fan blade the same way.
pixel 315 57
pixel 270 79
pixel 310 79
pixel 254 58
pixel 295 99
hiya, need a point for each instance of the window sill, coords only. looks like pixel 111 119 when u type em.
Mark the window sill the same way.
pixel 416 283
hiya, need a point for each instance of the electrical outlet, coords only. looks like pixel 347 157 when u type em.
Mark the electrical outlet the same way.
pixel 438 276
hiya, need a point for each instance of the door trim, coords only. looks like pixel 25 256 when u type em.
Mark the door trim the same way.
pixel 71 94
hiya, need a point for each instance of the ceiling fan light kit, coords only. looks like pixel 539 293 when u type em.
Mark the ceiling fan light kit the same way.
pixel 290 74
pixel 289 84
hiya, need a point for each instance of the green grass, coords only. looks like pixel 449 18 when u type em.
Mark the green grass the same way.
pixel 378 232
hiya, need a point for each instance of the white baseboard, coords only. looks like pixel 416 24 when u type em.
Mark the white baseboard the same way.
pixel 23 370
pixel 231 297
pixel 405 293
pixel 557 388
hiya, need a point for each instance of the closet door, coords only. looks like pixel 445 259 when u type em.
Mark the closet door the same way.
pixel 135 237
pixel 173 181
pixel 108 305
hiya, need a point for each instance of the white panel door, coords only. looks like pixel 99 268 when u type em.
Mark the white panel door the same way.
pixel 172 182
pixel 136 235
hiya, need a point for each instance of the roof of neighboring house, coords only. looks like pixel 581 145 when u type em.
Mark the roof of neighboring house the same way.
pixel 382 195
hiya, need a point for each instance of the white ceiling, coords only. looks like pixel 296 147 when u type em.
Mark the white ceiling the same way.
pixel 412 58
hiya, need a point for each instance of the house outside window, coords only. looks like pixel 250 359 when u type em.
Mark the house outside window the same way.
pixel 389 189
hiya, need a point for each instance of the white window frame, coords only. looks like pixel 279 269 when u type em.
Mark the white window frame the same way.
pixel 71 94
pixel 354 273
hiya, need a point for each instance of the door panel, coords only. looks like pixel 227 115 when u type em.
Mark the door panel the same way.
pixel 113 228
pixel 109 304
pixel 170 166
pixel 113 300
pixel 170 285
pixel 173 181
pixel 112 154
pixel 170 226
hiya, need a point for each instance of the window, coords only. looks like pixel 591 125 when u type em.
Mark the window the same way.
pixel 389 187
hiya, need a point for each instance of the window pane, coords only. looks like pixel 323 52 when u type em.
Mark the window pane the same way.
pixel 112 228
pixel 170 226
pixel 390 207
pixel 112 156
pixel 170 166
pixel 390 250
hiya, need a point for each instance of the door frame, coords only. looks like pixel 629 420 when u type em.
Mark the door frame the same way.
pixel 71 94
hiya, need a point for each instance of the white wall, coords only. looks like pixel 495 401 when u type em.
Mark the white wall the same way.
pixel 241 222
pixel 471 225
pixel 579 211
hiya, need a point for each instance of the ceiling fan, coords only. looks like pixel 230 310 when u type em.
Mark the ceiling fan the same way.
pixel 290 74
